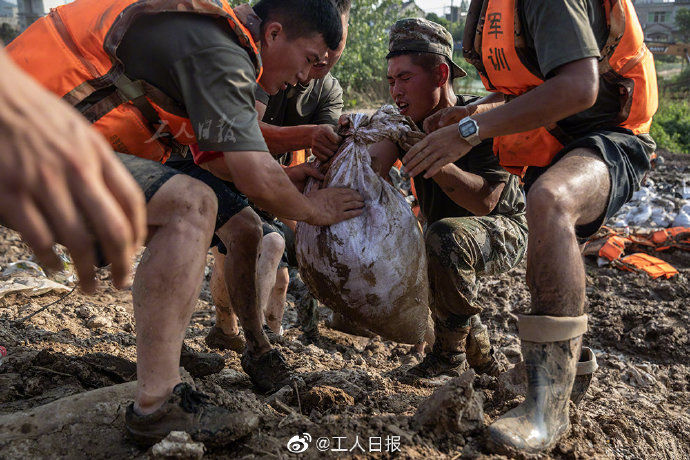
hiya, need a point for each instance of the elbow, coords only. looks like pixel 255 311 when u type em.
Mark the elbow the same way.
pixel 583 91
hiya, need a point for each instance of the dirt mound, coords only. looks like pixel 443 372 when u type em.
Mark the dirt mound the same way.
pixel 351 394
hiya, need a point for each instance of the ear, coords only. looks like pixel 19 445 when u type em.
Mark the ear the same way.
pixel 442 74
pixel 271 31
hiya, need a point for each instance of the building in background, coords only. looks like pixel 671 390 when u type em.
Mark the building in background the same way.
pixel 658 18
pixel 9 14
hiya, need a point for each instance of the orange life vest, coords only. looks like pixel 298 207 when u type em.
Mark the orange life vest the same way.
pixel 495 45
pixel 72 52
pixel 641 262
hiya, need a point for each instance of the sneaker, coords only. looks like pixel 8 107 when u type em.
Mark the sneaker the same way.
pixel 268 372
pixel 273 337
pixel 218 339
pixel 200 364
pixel 439 364
pixel 188 410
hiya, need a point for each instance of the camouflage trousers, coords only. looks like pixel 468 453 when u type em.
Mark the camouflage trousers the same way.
pixel 462 249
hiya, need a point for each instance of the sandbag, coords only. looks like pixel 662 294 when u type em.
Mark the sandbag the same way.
pixel 371 269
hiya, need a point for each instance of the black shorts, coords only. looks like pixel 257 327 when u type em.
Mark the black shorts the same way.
pixel 628 159
pixel 151 176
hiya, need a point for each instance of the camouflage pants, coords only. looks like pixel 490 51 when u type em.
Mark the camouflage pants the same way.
pixel 461 249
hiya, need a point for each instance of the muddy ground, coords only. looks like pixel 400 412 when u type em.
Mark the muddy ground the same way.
pixel 638 405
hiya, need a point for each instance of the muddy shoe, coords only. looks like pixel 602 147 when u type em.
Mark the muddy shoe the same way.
pixel 218 339
pixel 273 337
pixel 200 364
pixel 437 364
pixel 188 410
pixel 480 353
pixel 269 372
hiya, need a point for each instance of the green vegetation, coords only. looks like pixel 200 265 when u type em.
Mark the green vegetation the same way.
pixel 671 126
pixel 362 68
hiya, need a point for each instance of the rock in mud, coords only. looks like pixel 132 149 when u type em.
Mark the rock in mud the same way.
pixel 178 444
pixel 453 408
pixel 98 322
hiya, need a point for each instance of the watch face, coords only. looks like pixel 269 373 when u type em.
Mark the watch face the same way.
pixel 467 129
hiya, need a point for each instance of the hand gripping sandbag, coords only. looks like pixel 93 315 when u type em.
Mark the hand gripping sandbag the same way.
pixel 372 269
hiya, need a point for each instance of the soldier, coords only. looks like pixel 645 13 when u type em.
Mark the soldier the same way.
pixel 474 209
pixel 576 91
pixel 156 74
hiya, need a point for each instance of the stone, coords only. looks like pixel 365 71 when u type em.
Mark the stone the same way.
pixel 97 322
pixel 177 444
pixel 454 408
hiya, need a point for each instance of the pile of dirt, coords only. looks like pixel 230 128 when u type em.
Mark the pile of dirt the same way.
pixel 351 393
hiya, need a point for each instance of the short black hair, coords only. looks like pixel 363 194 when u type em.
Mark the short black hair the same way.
pixel 343 6
pixel 303 18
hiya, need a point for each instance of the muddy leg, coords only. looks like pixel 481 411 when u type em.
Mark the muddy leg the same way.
pixel 572 192
pixel 242 236
pixel 181 217
pixel 276 300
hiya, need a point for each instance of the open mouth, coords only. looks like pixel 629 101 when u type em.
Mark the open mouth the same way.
pixel 403 107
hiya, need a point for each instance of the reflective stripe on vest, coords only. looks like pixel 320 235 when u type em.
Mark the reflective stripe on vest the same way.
pixel 494 44
pixel 72 52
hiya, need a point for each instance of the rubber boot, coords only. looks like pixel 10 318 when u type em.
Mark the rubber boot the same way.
pixel 586 367
pixel 551 349
pixel 480 353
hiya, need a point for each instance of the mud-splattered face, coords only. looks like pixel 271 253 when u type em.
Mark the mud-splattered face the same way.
pixel 414 89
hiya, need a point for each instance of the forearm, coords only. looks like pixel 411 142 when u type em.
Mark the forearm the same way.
pixel 265 183
pixel 281 139
pixel 485 104
pixel 468 190
pixel 573 90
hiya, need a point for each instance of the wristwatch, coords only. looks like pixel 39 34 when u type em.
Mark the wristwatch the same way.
pixel 469 130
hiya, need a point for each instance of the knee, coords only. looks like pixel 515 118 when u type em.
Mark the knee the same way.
pixel 273 245
pixel 442 240
pixel 243 228
pixel 191 203
pixel 548 200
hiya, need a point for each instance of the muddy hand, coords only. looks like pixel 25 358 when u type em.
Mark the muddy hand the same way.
pixel 301 173
pixel 324 142
pixel 333 205
pixel 438 149
pixel 444 117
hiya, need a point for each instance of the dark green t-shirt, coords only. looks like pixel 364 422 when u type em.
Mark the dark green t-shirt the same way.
pixel 197 61
pixel 317 103
pixel 436 205
pixel 563 31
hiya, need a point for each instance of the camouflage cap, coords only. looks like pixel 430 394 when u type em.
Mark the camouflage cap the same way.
pixel 418 35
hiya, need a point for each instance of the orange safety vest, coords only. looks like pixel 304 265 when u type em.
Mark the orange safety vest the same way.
pixel 72 52
pixel 495 45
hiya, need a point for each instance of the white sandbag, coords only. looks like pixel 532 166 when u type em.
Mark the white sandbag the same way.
pixel 372 269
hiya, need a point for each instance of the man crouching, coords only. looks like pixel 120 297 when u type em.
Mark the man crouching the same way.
pixel 474 209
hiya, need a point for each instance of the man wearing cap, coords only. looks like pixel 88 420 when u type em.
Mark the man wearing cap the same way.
pixel 474 209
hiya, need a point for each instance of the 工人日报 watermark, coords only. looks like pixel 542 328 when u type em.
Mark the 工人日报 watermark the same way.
pixel 301 443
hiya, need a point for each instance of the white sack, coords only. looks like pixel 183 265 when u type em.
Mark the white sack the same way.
pixel 372 269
